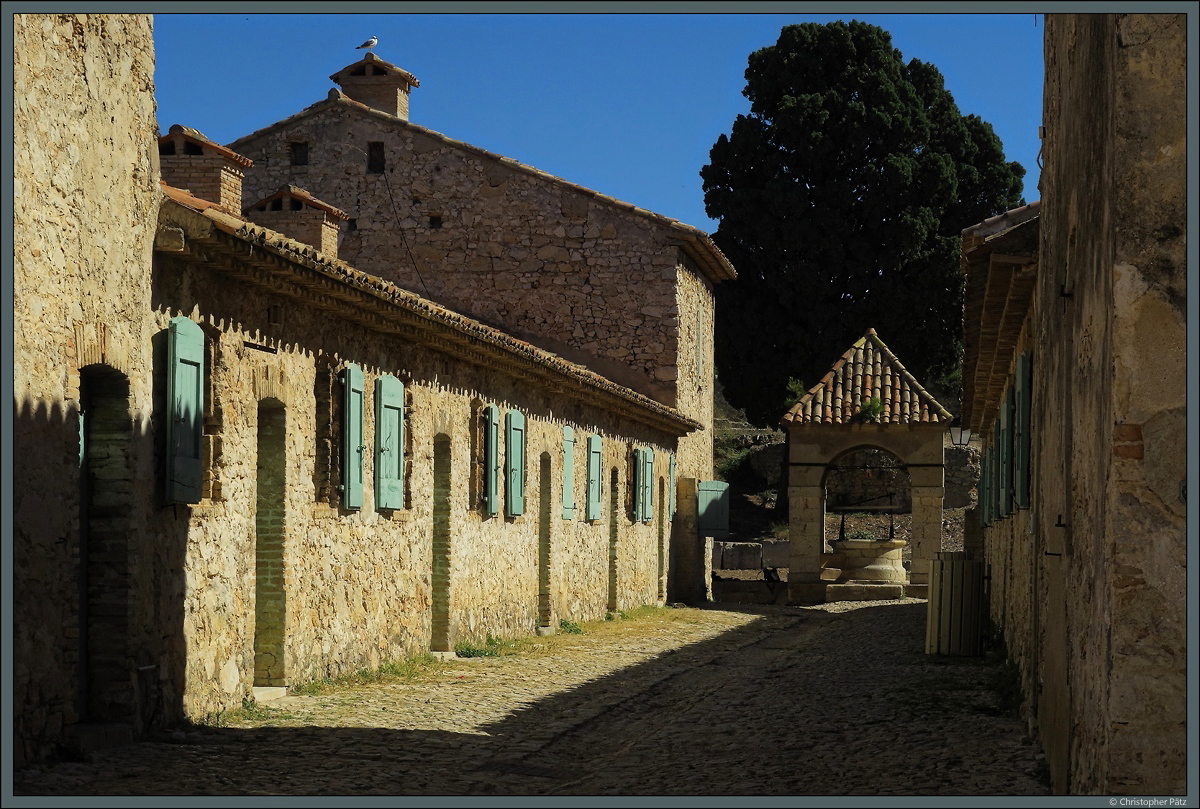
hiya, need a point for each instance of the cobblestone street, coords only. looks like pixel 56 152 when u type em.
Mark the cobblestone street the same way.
pixel 837 699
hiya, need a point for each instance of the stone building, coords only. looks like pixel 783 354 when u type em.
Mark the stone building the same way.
pixel 248 463
pixel 616 288
pixel 1074 328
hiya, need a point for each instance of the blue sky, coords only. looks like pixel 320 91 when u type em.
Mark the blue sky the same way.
pixel 625 104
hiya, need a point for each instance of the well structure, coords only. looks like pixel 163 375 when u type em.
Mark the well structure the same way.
pixel 867 400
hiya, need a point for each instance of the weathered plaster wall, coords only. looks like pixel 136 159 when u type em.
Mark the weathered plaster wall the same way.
pixel 358 585
pixel 1110 413
pixel 83 119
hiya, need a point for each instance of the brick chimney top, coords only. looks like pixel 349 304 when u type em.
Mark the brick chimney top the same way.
pixel 207 170
pixel 378 84
pixel 299 215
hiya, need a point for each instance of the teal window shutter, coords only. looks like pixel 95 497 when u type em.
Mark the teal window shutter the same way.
pixel 985 489
pixel 1022 440
pixel 389 442
pixel 185 410
pixel 592 508
pixel 1006 443
pixel 712 509
pixel 352 436
pixel 647 484
pixel 491 460
pixel 671 494
pixel 514 453
pixel 639 487
pixel 568 481
pixel 996 470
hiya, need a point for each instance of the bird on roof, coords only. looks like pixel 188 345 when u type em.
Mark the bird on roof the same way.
pixel 370 43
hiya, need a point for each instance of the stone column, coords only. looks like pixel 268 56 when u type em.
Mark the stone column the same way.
pixel 806 532
pixel 926 531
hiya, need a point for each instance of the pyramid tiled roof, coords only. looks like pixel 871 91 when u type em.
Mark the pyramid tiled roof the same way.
pixel 867 370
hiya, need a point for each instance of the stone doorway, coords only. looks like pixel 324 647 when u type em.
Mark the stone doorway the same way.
pixel 106 685
pixel 613 504
pixel 544 610
pixel 440 635
pixel 270 593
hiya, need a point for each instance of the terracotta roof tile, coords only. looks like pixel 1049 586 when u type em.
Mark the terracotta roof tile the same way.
pixel 302 195
pixel 178 131
pixel 867 370
pixel 305 258
pixel 372 59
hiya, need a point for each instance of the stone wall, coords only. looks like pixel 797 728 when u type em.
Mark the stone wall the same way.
pixel 358 585
pixel 83 119
pixel 1107 329
pixel 589 279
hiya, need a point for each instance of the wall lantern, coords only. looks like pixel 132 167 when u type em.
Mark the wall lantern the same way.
pixel 960 436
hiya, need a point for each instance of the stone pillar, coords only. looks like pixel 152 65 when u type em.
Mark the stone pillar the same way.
pixel 806 531
pixel 691 554
pixel 973 533
pixel 926 530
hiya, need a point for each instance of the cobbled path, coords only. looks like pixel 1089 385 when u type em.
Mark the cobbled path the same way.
pixel 838 699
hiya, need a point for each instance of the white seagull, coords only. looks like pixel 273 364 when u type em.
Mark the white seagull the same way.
pixel 370 43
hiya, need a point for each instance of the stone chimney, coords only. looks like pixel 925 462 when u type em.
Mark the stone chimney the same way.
pixel 204 169
pixel 299 215
pixel 378 84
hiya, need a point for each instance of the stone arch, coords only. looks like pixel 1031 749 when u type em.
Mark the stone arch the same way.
pixel 441 639
pixel 545 506
pixel 270 546
pixel 106 481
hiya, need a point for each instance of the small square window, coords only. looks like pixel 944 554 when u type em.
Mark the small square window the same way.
pixel 375 160
pixel 435 221
pixel 299 153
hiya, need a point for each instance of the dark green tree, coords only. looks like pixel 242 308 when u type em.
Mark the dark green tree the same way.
pixel 841 198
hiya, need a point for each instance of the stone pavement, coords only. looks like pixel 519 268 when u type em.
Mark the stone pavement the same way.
pixel 837 699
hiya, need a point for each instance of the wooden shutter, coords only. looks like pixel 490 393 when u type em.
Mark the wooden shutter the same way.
pixel 514 453
pixel 984 500
pixel 491 460
pixel 1006 454
pixel 352 436
pixel 712 507
pixel 592 508
pixel 996 479
pixel 568 475
pixel 647 484
pixel 1022 439
pixel 639 487
pixel 185 410
pixel 671 494
pixel 389 442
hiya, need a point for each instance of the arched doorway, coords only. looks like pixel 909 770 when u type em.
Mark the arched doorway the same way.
pixel 270 593
pixel 544 609
pixel 106 692
pixel 613 505
pixel 662 542
pixel 440 579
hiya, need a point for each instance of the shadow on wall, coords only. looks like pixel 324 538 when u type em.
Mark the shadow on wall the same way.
pixel 98 583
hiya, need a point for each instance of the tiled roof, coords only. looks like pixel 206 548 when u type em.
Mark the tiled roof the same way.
pixel 302 195
pixel 375 61
pixel 867 370
pixel 337 284
pixel 187 133
pixel 695 242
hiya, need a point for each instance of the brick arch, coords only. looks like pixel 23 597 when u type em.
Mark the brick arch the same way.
pixel 268 384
